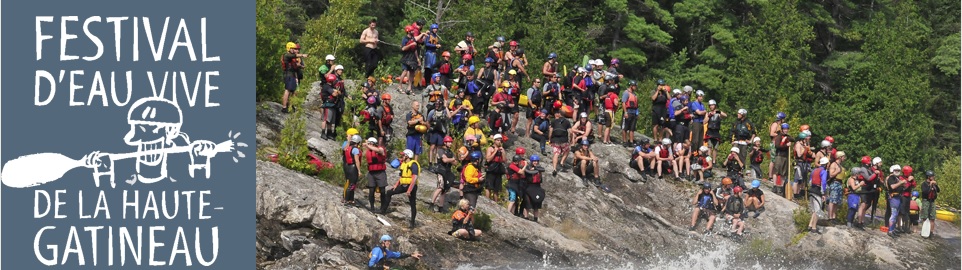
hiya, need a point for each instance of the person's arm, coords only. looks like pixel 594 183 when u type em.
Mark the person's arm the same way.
pixel 411 119
pixel 654 95
pixel 376 256
pixel 824 175
pixel 587 129
pixel 489 154
pixel 762 201
pixel 415 170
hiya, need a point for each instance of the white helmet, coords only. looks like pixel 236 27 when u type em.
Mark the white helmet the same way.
pixel 823 161
pixel 338 67
pixel 329 57
pixel 895 168
pixel 742 111
pixel 807 132
pixel 497 137
pixel 756 139
pixel 703 148
pixel 877 160
pixel 583 115
pixel 408 153
pixel 826 144
pixel 712 102
pixel 687 88
pixel 699 93
pixel 665 141
pixel 371 140
pixel 356 138
pixel 598 62
pixel 735 149
pixel 676 91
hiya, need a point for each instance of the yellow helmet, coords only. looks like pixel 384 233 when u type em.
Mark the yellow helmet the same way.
pixel 291 45
pixel 473 119
pixel 505 84
pixel 512 72
pixel 351 131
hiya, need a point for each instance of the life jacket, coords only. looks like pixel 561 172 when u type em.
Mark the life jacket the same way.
pixel 516 175
pixel 388 115
pixel 434 94
pixel 375 161
pixel 348 158
pixel 817 176
pixel 808 156
pixel 757 156
pixel 735 204
pixel 609 102
pixel 705 200
pixel 445 69
pixel 535 96
pixel 661 99
pixel 632 102
pixel 743 129
pixel 476 179
pixel 289 66
pixel 536 178
pixel 907 188
pixel 930 194
pixel 487 75
pixel 663 152
pixel 498 158
pixel 406 172
pixel 714 121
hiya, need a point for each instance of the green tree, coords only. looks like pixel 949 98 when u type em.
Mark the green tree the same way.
pixel 270 42
pixel 335 32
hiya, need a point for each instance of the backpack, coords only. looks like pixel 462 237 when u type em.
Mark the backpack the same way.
pixel 535 96
pixel 742 130
pixel 735 204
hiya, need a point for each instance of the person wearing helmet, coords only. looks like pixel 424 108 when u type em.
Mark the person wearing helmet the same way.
pixel 413 119
pixel 488 77
pixel 895 186
pixel 581 130
pixel 778 170
pixel 438 121
pixel 410 169
pixel 534 104
pixel 352 155
pixel 460 110
pixel 803 161
pixel 702 163
pixel 534 194
pixel 560 138
pixel 835 187
pixel 381 254
pixel 817 192
pixel 462 222
pixel 608 105
pixel 664 159
pixel 329 96
pixel 755 199
pixel 446 178
pixel 930 192
pixel 327 67
pixel 629 105
pixel 410 60
pixel 586 164
pixel 435 91
pixel 369 38
pixel 906 199
pixel 550 93
pixel 683 118
pixel 697 109
pixel 496 54
pixel 734 164
pixel 725 190
pixel 733 209
pixel 550 68
pixel 659 109
pixel 742 132
pixel 465 72
pixel 432 43
pixel 515 177
pixel 674 104
pixel 376 170
pixel 501 120
pixel 471 177
pixel 445 68
pixel 713 118
pixel 540 128
pixel 705 204
pixel 464 152
pixel 774 129
pixel 494 158
pixel 291 66
pixel 474 129
pixel 466 46
pixel 516 60
pixel 856 185
pixel 914 204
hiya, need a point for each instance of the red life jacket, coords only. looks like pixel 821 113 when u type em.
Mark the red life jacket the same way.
pixel 445 68
pixel 808 156
pixel 632 102
pixel 388 115
pixel 375 161
pixel 664 152
pixel 536 178
pixel 817 176
pixel 348 158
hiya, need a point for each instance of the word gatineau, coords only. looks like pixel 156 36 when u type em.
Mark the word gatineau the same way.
pixel 141 30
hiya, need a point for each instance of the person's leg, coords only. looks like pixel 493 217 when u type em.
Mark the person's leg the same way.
pixel 694 217
pixel 412 200
pixel 711 222
pixel 894 205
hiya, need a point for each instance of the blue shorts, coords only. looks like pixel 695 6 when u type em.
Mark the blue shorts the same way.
pixel 435 138
pixel 430 58
pixel 512 195
pixel 290 83
pixel 414 143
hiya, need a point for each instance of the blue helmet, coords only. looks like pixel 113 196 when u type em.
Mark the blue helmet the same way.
pixel 584 142
pixel 476 155
pixel 535 158
pixel 386 238
pixel 434 26
pixel 915 193
pixel 661 81
pixel 780 115
pixel 552 55
pixel 437 75
pixel 784 125
pixel 500 39
pixel 489 60
pixel 756 183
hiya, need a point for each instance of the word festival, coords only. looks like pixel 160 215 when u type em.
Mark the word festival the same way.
pixel 124 240
pixel 74 81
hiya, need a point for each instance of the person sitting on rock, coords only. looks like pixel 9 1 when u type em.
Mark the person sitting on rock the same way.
pixel 705 203
pixel 639 155
pixel 755 201
pixel 734 208
pixel 587 164
pixel 382 253
pixel 682 152
pixel 408 183
pixel 735 164
pixel 664 159
pixel 726 189
pixel 462 222
pixel 702 164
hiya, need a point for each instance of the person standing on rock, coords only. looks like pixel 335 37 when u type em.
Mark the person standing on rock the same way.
pixel 471 178
pixel 413 119
pixel 534 193
pixel 713 128
pixel 369 37
pixel 407 184
pixel 291 65
pixel 896 184
pixel 540 128
pixel 659 109
pixel 387 117
pixel 697 109
pixel 382 253
pixel 329 96
pixel 705 203
pixel 494 158
pixel 803 161
pixel 835 187
pixel 774 129
pixel 930 191
pixel 782 144
pixel 817 192
pixel 559 140
pixel 446 178
pixel 462 222
pixel 438 120
pixel 376 171
pixel 351 154
pixel 906 198
pixel 515 176
pixel 855 184
pixel 534 106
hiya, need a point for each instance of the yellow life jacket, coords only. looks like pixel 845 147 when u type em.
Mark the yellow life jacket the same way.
pixel 407 173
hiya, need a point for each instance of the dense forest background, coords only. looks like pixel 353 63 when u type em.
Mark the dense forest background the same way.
pixel 880 76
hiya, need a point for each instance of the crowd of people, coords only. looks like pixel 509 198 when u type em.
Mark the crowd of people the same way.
pixel 475 102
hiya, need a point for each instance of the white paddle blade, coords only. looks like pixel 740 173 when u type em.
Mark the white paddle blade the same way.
pixel 31 170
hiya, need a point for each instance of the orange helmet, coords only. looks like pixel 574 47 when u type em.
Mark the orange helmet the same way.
pixel 803 128
pixel 445 54
pixel 726 181
pixel 386 96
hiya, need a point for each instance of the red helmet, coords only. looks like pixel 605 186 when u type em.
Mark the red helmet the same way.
pixel 408 29
pixel 386 96
pixel 448 139
pixel 513 43
pixel 867 160
pixel 331 78
pixel 557 104
pixel 519 151
pixel 906 170
pixel 466 57
pixel 445 54
pixel 830 139
pixel 737 189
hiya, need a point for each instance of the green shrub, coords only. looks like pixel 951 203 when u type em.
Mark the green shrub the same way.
pixel 482 221
pixel 947 176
